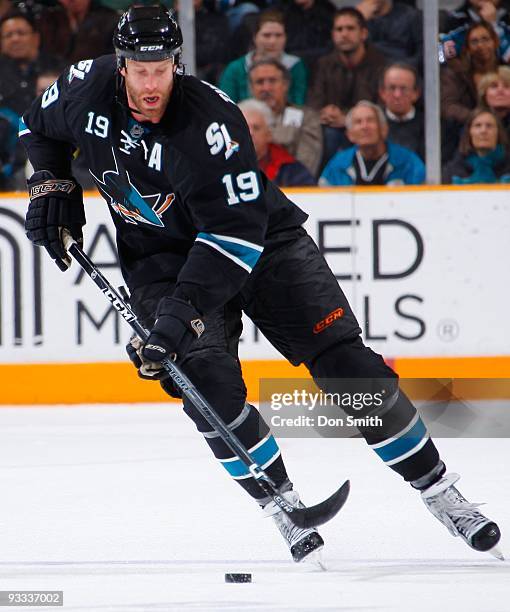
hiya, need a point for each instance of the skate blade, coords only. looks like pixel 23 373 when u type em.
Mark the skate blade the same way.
pixel 316 559
pixel 495 552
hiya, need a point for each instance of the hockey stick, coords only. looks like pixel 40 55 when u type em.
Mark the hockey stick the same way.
pixel 312 516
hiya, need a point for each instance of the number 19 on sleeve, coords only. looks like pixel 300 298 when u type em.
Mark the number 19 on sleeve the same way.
pixel 246 185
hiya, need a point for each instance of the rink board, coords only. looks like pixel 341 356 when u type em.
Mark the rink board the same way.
pixel 424 269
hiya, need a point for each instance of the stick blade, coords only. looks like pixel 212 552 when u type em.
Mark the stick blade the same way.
pixel 313 516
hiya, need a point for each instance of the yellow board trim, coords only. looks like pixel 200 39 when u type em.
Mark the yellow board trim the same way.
pixel 449 378
pixel 87 383
pixel 453 367
pixel 398 188
pixel 348 189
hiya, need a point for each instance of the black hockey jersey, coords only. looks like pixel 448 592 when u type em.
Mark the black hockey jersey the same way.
pixel 186 196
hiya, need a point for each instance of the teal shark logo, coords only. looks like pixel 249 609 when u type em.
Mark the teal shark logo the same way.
pixel 125 199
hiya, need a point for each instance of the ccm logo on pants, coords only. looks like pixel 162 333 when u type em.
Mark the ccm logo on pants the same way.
pixel 328 320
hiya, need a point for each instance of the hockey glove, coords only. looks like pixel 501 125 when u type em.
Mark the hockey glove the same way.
pixel 55 204
pixel 177 325
pixel 148 370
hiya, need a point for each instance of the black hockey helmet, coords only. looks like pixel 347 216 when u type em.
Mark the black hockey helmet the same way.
pixel 147 34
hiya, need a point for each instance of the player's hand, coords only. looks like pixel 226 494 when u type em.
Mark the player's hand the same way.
pixel 177 325
pixel 55 205
pixel 148 370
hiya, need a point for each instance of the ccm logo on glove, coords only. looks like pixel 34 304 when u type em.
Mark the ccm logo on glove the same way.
pixel 155 347
pixel 55 205
pixel 36 191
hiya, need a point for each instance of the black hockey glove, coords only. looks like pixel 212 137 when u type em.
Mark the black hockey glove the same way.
pixel 177 325
pixel 55 204
pixel 150 370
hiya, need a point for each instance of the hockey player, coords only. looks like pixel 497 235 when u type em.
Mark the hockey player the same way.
pixel 203 235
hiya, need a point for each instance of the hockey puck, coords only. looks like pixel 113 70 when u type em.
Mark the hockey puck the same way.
pixel 237 577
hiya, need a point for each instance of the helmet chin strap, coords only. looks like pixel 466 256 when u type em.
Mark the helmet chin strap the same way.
pixel 120 92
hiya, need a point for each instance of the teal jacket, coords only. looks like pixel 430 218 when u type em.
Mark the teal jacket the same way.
pixel 234 79
pixel 472 169
pixel 404 167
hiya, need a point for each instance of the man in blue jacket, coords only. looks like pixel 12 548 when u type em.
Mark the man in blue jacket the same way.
pixel 372 160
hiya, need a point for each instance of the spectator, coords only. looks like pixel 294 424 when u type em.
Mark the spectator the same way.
pixel 45 79
pixel 459 80
pixel 456 24
pixel 399 91
pixel 308 24
pixel 483 155
pixel 77 29
pixel 473 11
pixel 16 169
pixel 211 41
pixel 373 160
pixel 11 153
pixel 395 29
pixel 349 74
pixel 494 94
pixel 269 42
pixel 297 128
pixel 274 160
pixel 235 10
pixel 5 7
pixel 20 61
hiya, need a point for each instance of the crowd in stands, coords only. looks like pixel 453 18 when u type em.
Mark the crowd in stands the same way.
pixel 332 91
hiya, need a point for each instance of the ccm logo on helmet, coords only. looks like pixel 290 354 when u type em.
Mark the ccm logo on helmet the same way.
pixel 329 320
pixel 151 47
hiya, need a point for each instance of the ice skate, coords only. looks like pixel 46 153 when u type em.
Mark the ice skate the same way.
pixel 304 544
pixel 461 517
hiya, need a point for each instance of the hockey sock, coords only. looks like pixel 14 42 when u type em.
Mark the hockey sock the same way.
pixel 254 433
pixel 403 443
pixel 400 437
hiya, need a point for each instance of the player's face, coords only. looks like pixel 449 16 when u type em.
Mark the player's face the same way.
pixel 484 132
pixel 347 34
pixel 365 129
pixel 269 86
pixel 270 39
pixel 399 92
pixel 19 40
pixel 148 87
pixel 259 130
pixel 498 95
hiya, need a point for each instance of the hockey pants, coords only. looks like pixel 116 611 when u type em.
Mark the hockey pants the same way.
pixel 295 301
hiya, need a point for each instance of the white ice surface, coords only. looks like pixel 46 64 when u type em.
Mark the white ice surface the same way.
pixel 124 509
